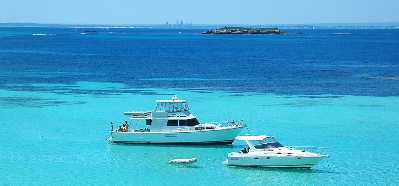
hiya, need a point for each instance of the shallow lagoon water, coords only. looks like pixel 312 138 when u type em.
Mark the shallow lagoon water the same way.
pixel 60 138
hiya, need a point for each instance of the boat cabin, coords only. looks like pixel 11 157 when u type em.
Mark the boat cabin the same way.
pixel 168 114
pixel 260 142
pixel 173 105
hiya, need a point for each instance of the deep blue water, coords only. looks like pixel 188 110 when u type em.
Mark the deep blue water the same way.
pixel 321 61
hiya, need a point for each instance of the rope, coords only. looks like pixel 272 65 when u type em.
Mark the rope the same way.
pixel 249 132
pixel 328 163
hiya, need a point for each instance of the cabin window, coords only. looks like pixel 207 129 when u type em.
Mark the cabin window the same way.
pixel 182 123
pixel 148 122
pixel 199 128
pixel 172 123
pixel 192 122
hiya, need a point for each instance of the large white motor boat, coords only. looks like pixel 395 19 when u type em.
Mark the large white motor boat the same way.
pixel 170 123
pixel 266 151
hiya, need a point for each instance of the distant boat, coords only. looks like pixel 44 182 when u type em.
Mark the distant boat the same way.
pixel 266 151
pixel 89 32
pixel 172 123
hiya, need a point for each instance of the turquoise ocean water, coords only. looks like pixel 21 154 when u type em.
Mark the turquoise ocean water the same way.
pixel 56 107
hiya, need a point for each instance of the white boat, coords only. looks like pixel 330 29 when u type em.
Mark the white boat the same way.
pixel 171 123
pixel 183 161
pixel 266 151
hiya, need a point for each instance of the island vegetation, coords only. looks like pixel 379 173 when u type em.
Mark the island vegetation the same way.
pixel 243 30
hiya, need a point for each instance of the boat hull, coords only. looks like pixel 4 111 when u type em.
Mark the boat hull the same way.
pixel 276 162
pixel 222 136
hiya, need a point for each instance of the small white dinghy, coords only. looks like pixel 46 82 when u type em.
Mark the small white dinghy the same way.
pixel 183 161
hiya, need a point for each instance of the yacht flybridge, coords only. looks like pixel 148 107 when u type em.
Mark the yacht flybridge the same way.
pixel 172 122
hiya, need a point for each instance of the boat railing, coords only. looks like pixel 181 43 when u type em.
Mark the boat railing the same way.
pixel 233 123
pixel 137 113
pixel 173 110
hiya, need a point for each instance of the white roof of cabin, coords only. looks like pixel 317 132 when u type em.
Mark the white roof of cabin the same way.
pixel 170 101
pixel 260 137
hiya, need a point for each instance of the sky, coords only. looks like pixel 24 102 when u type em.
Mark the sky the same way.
pixel 251 12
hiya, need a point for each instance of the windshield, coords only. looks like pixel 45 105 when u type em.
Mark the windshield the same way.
pixel 267 143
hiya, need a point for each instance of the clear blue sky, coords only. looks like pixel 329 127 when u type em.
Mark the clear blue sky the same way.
pixel 254 12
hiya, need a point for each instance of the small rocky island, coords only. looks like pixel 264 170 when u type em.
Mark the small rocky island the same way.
pixel 243 30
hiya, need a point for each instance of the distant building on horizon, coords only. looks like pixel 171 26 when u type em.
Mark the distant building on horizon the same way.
pixel 178 23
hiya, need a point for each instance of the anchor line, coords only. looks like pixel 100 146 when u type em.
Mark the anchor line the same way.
pixel 249 132
pixel 328 163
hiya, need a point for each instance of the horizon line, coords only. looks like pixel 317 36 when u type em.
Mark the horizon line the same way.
pixel 365 24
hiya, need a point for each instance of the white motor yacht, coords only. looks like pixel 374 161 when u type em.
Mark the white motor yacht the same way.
pixel 171 123
pixel 266 151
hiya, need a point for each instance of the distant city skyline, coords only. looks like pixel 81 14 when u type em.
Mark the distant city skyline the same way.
pixel 231 12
